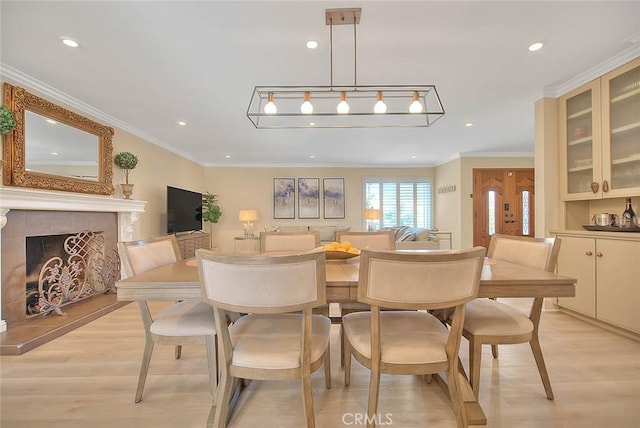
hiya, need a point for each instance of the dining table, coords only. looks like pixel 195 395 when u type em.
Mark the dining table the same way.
pixel 180 281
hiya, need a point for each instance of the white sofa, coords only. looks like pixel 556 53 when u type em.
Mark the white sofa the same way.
pixel 414 238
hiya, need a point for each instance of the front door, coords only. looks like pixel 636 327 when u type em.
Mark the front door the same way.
pixel 503 202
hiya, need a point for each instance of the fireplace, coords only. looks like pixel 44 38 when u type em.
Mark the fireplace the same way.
pixel 28 212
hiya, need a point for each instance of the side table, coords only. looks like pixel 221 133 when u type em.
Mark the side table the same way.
pixel 246 244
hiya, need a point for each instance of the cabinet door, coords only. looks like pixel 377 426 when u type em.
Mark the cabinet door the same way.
pixel 580 140
pixel 618 279
pixel 577 260
pixel 621 130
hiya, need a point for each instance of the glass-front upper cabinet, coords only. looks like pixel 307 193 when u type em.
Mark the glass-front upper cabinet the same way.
pixel 621 130
pixel 581 164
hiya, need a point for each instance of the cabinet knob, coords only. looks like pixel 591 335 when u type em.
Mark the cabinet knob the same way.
pixel 595 187
pixel 598 254
pixel 605 186
pixel 589 253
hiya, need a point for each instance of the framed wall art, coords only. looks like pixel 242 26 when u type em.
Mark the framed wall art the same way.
pixel 284 197
pixel 333 191
pixel 308 198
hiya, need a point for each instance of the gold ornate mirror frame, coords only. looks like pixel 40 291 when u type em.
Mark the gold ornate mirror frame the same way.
pixel 14 173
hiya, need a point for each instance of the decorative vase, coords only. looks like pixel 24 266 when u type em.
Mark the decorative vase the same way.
pixel 127 190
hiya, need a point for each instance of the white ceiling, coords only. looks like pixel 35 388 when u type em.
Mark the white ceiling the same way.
pixel 142 66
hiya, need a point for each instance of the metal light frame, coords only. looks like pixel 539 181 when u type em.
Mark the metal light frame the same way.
pixel 361 98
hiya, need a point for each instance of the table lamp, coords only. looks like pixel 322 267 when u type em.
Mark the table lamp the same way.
pixel 370 215
pixel 248 216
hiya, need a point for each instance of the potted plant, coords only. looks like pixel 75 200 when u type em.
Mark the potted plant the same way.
pixel 126 161
pixel 7 121
pixel 211 211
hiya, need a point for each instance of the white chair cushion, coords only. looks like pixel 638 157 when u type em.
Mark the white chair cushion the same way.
pixel 188 318
pixel 273 341
pixel 407 337
pixel 485 317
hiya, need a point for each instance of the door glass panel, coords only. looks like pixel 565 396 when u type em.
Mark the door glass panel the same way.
pixel 491 207
pixel 525 212
pixel 625 130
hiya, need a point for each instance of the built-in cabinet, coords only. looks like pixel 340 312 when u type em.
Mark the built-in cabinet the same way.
pixel 599 134
pixel 607 269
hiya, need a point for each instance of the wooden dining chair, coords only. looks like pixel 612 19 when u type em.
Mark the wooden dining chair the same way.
pixel 289 241
pixel 280 338
pixel 410 340
pixel 186 322
pixel 496 323
pixel 380 240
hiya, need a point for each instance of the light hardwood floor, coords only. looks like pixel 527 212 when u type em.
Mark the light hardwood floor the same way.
pixel 87 378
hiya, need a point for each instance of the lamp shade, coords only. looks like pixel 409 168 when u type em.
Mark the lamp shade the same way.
pixel 248 215
pixel 372 214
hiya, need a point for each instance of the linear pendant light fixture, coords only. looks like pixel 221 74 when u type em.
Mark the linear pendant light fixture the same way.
pixel 344 106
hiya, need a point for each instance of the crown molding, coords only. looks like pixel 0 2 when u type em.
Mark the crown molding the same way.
pixel 555 91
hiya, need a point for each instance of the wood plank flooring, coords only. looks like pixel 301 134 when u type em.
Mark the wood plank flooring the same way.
pixel 87 378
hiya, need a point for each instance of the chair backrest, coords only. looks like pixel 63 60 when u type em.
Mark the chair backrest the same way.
pixel 420 280
pixel 262 284
pixel 143 255
pixel 541 253
pixel 381 240
pixel 289 241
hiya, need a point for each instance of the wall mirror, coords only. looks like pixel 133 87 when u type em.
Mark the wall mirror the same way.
pixel 53 148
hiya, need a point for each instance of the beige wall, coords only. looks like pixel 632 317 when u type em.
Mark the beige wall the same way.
pixel 447 205
pixel 156 169
pixel 546 164
pixel 252 188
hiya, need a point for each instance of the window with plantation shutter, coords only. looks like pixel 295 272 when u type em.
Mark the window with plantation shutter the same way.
pixel 403 201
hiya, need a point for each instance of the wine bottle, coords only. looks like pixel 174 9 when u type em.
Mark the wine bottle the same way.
pixel 628 216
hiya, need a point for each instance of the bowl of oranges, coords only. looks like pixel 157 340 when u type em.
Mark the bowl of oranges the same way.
pixel 340 250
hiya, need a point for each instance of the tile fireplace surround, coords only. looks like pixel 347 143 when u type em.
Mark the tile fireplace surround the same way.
pixel 22 199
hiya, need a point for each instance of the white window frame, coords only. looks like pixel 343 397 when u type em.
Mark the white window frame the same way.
pixel 429 223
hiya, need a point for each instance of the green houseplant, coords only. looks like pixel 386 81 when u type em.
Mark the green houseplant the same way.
pixel 211 211
pixel 7 121
pixel 126 161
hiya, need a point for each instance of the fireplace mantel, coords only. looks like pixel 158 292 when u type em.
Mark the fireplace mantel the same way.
pixel 17 198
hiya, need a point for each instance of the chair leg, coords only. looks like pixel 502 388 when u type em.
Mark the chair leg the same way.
pixel 475 355
pixel 346 356
pixel 212 362
pixel 374 392
pixel 542 368
pixel 455 394
pixel 341 346
pixel 178 351
pixel 222 400
pixel 307 398
pixel 144 367
pixel 494 351
pixel 327 367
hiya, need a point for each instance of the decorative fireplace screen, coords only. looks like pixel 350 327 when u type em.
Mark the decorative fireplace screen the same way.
pixel 83 271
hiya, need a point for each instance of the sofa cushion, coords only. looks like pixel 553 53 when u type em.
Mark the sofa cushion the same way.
pixel 407 236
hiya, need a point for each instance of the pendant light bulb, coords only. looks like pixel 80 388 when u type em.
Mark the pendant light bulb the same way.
pixel 380 107
pixel 270 107
pixel 416 106
pixel 343 105
pixel 306 107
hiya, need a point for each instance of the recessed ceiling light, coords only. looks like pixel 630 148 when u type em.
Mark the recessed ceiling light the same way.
pixel 54 153
pixel 51 121
pixel 312 124
pixel 536 46
pixel 181 123
pixel 468 124
pixel 312 44
pixel 67 41
pixel 312 156
pixel 228 156
pixel 414 157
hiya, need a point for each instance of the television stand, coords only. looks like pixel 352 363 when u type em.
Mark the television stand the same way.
pixel 188 243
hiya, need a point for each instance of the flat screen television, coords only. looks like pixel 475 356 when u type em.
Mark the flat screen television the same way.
pixel 184 210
